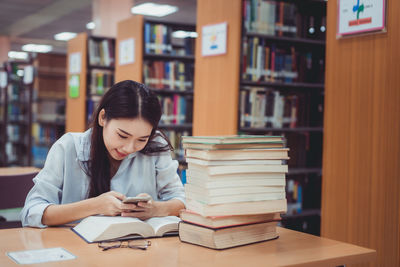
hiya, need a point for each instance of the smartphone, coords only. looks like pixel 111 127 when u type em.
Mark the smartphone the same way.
pixel 135 200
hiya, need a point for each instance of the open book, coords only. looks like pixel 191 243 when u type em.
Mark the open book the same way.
pixel 101 228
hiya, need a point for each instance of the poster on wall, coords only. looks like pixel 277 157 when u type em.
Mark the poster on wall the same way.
pixel 73 84
pixel 127 51
pixel 213 41
pixel 360 17
pixel 75 63
pixel 3 79
pixel 28 74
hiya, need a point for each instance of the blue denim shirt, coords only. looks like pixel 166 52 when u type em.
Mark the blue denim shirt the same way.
pixel 63 179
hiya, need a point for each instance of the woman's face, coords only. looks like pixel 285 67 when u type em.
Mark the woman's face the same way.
pixel 124 136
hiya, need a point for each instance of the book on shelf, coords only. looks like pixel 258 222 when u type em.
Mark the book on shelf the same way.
pixel 237 208
pixel 280 111
pixel 103 228
pixel 101 52
pixel 39 154
pixel 238 154
pixel 175 140
pixel 174 75
pixel 232 139
pixel 226 221
pixel 294 197
pixel 266 62
pixel 176 109
pixel 222 238
pixel 92 102
pixel 282 19
pixel 100 81
pixel 45 134
pixel 159 39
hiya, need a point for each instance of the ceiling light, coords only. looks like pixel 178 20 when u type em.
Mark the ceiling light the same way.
pixel 37 48
pixel 18 55
pixel 91 25
pixel 151 9
pixel 64 36
pixel 184 34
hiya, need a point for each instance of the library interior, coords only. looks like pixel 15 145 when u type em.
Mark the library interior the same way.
pixel 279 113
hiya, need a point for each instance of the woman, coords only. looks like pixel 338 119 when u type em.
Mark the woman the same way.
pixel 121 155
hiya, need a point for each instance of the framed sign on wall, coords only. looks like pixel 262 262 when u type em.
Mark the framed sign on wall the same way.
pixel 360 17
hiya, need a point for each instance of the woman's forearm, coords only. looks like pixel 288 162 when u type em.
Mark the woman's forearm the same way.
pixel 65 213
pixel 170 207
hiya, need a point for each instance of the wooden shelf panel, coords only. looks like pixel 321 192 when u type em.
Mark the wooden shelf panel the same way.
pixel 51 123
pixel 19 122
pixel 188 27
pixel 180 127
pixel 216 78
pixel 298 85
pixel 127 29
pixel 297 171
pixel 171 91
pixel 76 107
pixel 291 40
pixel 168 57
pixel 100 67
pixel 298 129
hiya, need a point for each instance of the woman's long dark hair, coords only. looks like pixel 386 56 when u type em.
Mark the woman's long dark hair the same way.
pixel 129 100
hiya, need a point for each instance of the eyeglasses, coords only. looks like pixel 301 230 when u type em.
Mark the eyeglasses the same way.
pixel 135 244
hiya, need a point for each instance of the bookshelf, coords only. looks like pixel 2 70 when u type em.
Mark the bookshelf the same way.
pixel 48 106
pixel 282 92
pixel 16 106
pixel 3 113
pixel 90 66
pixel 223 100
pixel 165 64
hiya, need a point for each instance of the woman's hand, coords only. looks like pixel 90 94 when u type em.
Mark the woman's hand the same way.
pixel 110 203
pixel 142 210
pixel 146 210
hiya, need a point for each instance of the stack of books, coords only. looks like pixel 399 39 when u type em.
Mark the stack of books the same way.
pixel 235 190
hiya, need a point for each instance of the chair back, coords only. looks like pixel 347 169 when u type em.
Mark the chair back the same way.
pixel 15 184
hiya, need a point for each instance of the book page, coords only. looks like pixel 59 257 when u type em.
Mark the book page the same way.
pixel 162 225
pixel 128 228
pixel 99 228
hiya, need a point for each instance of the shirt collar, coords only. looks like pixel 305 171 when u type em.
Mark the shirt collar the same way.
pixel 83 145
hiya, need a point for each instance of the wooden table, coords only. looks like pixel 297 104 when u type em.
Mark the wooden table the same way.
pixel 18 170
pixel 290 249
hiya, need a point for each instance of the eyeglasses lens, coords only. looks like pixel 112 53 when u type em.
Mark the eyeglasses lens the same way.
pixel 136 244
